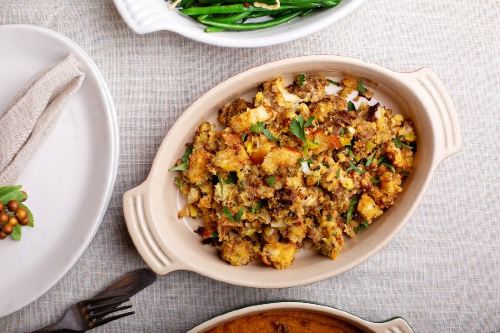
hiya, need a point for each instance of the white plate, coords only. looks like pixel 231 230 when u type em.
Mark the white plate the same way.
pixel 71 176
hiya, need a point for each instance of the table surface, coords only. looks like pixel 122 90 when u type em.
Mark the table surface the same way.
pixel 440 272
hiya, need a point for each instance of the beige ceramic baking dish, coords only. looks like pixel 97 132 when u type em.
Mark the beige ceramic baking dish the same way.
pixel 167 243
pixel 394 325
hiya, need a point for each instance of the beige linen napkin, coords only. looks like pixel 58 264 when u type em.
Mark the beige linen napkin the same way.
pixel 33 113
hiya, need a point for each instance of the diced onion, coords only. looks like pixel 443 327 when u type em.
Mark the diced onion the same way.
pixel 277 5
pixel 304 166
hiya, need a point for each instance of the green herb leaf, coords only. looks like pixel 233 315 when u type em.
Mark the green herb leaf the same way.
pixel 309 160
pixel 232 178
pixel 350 153
pixel 214 235
pixel 234 218
pixel 350 211
pixel 375 181
pixel 369 161
pixel 243 137
pixel 351 106
pixel 384 161
pixel 257 128
pixel 257 207
pixel 361 227
pixel 389 166
pixel 361 87
pixel 269 135
pixel 239 214
pixel 309 121
pixel 297 128
pixel 16 232
pixel 184 159
pixel 12 193
pixel 338 173
pixel 354 167
pixel 227 212
pixel 301 79
pixel 333 82
pixel 342 131
pixel 271 180
pixel 399 144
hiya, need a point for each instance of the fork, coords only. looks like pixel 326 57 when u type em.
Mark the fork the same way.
pixel 89 314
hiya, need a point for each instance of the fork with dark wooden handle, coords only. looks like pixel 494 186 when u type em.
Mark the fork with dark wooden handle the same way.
pixel 94 312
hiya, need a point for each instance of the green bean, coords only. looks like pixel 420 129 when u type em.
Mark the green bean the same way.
pixel 233 9
pixel 252 26
pixel 231 18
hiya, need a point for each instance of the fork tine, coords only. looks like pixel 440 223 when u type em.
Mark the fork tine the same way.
pixel 114 301
pixel 99 322
pixel 107 311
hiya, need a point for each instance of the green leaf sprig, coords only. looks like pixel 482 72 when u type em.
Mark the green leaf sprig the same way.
pixel 350 211
pixel 236 217
pixel 184 161
pixel 259 127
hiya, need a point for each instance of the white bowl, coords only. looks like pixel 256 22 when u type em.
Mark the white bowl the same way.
pixel 394 325
pixel 167 243
pixel 145 16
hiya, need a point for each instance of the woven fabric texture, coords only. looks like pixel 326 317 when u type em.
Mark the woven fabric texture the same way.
pixel 440 272
pixel 34 112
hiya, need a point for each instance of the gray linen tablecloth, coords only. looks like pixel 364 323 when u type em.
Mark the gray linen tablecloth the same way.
pixel 441 272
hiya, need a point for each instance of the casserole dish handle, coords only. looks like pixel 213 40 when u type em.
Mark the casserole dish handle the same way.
pixel 140 225
pixel 440 106
pixel 395 325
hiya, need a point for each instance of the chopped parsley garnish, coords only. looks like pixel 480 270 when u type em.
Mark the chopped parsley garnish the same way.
pixel 399 144
pixel 301 79
pixel 257 207
pixel 259 127
pixel 361 87
pixel 309 160
pixel 232 178
pixel 184 159
pixel 236 217
pixel 214 234
pixel 351 106
pixel 243 137
pixel 384 161
pixel 363 225
pixel 370 159
pixel 354 167
pixel 375 181
pixel 338 173
pixel 350 211
pixel 333 82
pixel 271 180
pixel 350 153
pixel 298 126
pixel 342 131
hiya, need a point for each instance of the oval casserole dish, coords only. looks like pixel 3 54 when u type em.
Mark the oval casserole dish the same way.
pixel 167 243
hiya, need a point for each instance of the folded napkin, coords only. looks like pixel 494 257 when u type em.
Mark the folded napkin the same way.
pixel 33 113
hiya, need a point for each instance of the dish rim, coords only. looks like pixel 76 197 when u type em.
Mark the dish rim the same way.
pixel 112 171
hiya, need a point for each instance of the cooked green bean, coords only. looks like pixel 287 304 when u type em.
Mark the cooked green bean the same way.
pixel 252 26
pixel 238 15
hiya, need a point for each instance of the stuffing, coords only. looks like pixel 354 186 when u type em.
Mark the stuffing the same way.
pixel 297 167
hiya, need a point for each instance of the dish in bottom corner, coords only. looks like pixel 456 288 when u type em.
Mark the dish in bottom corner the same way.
pixel 167 244
pixel 295 317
